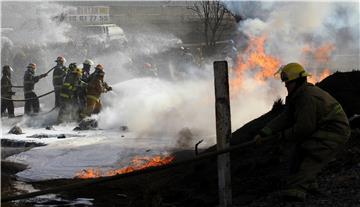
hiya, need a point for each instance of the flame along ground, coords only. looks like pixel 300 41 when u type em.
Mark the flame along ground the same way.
pixel 137 163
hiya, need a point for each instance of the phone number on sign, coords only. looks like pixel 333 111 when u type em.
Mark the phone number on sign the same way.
pixel 88 18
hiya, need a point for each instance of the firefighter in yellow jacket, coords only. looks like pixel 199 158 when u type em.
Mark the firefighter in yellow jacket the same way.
pixel 95 87
pixel 69 103
pixel 314 123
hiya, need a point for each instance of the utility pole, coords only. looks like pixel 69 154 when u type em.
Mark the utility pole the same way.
pixel 223 131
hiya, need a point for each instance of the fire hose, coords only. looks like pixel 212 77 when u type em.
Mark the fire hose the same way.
pixel 45 94
pixel 50 70
pixel 131 174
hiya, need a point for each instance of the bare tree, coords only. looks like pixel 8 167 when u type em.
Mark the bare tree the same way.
pixel 211 14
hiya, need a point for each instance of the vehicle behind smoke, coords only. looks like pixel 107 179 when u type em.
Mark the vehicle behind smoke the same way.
pixel 97 38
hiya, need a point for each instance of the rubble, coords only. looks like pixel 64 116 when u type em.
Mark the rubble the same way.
pixel 49 128
pixel 61 136
pixel 15 130
pixel 87 124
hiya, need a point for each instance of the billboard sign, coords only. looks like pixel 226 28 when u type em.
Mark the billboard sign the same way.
pixel 89 14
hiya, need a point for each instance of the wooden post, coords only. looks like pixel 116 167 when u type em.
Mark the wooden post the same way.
pixel 223 131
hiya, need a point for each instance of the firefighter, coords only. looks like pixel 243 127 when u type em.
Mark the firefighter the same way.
pixel 58 78
pixel 70 107
pixel 82 93
pixel 314 123
pixel 32 104
pixel 95 87
pixel 6 92
pixel 86 69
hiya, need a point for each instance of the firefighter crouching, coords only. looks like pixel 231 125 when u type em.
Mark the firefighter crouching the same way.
pixel 6 92
pixel 69 104
pixel 313 123
pixel 95 87
pixel 32 104
pixel 58 78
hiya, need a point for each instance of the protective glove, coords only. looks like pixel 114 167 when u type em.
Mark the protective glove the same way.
pixel 258 139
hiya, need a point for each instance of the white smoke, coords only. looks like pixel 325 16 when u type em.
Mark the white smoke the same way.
pixel 290 26
pixel 38 36
pixel 157 108
pixel 35 23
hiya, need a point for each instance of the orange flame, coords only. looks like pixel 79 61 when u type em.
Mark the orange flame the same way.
pixel 314 78
pixel 138 163
pixel 254 58
pixel 320 54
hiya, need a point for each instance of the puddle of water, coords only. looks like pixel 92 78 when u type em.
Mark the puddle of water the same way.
pixel 49 200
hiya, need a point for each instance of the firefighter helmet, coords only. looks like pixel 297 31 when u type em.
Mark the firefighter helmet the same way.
pixel 72 66
pixel 31 65
pixel 88 62
pixel 292 71
pixel 100 67
pixel 77 71
pixel 60 59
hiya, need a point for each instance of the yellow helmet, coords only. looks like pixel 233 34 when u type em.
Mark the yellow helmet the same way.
pixel 78 71
pixel 292 71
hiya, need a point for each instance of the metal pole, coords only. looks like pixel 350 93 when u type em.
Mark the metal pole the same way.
pixel 223 131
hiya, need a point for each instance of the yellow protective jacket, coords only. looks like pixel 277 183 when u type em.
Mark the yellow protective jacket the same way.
pixel 310 112
pixel 71 86
pixel 95 88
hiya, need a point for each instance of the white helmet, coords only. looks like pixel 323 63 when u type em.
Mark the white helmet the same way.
pixel 88 62
pixel 60 59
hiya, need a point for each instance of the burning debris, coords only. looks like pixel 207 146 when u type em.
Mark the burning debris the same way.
pixel 137 163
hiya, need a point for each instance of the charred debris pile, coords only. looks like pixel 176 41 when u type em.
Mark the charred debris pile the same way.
pixel 257 171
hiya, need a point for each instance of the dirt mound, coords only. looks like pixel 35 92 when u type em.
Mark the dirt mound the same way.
pixel 344 87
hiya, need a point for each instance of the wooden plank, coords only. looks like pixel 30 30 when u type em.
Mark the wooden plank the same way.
pixel 223 131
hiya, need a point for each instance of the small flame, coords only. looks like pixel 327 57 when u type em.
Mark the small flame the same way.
pixel 314 78
pixel 254 58
pixel 137 163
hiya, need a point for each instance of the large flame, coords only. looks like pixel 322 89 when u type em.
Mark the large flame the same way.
pixel 137 163
pixel 254 58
